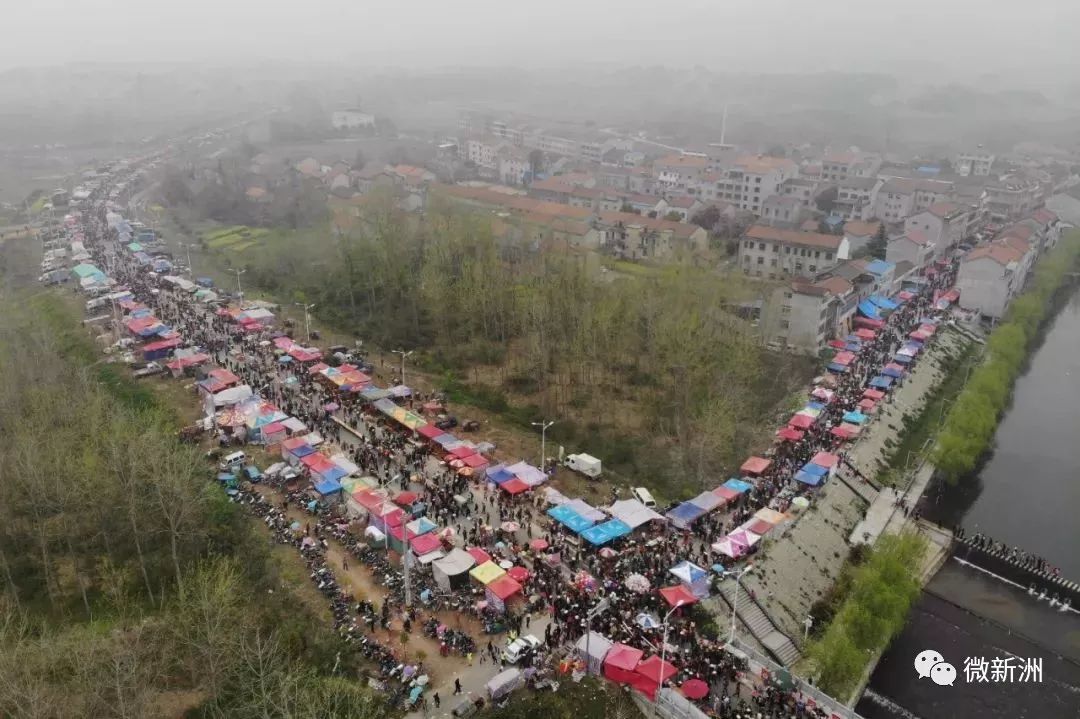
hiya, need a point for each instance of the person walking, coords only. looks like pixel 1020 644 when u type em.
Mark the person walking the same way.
pixel 438 702
pixel 457 686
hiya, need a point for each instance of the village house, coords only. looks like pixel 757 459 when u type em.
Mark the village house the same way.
pixel 856 197
pixel 684 206
pixel 749 181
pixel 859 234
pixel 803 316
pixel 774 252
pixel 944 223
pixel 898 198
pixel 839 166
pixel 635 237
pixel 989 277
pixel 679 173
pixel 783 211
pixel 912 246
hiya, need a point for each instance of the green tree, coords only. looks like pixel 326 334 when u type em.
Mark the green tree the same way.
pixel 879 243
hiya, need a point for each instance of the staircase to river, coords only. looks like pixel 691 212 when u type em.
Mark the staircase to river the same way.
pixel 760 624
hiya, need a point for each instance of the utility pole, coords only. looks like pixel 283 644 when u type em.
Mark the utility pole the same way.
pixel 405 566
pixel 239 290
pixel 403 354
pixel 543 441
pixel 735 600
pixel 190 269
pixel 307 318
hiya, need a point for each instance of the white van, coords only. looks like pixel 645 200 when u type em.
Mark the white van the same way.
pixel 644 496
pixel 233 461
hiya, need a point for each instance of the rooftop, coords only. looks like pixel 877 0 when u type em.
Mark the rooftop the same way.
pixel 679 229
pixel 858 228
pixel 945 210
pixel 1001 254
pixel 681 161
pixel 794 237
pixel 761 164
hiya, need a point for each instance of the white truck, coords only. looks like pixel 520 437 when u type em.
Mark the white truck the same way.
pixel 585 464
pixel 519 648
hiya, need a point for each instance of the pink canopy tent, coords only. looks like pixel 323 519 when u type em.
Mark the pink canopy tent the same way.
pixel 874 394
pixel 789 434
pixel 825 459
pixel 801 421
pixel 755 465
pixel 678 594
pixel 726 493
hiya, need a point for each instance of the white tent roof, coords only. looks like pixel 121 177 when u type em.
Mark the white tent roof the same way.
pixel 343 462
pixel 586 510
pixel 233 395
pixel 456 562
pixel 707 501
pixel 294 425
pixel 598 645
pixel 632 512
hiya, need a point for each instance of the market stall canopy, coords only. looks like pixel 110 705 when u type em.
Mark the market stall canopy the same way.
pixel 424 544
pixel 328 487
pixel 757 526
pixel 789 434
pixel 726 493
pixel 499 474
pixel 738 485
pixel 420 526
pixel 504 587
pixel 518 573
pixel 569 518
pixel 677 595
pixel 694 689
pixel 515 486
pixel 651 674
pixel 632 512
pixel 756 465
pixel 620 662
pixel 487 572
pixel 606 532
pixel 685 514
pixel 801 421
pixel 688 572
pixel 815 469
pixel 874 394
pixel 707 501
pixel 745 537
pixel 881 382
pixel 825 459
pixel 854 417
pixel 593 647
pixel 807 478
pixel 729 548
pixel 586 510
pixel 845 358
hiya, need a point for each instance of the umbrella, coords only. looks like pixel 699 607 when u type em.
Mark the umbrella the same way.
pixel 447 532
pixel 331 406
pixel 505 564
pixel 608 553
pixel 510 526
pixel 638 583
pixel 465 472
pixel 457 463
pixel 538 544
pixel 695 689
pixel 295 526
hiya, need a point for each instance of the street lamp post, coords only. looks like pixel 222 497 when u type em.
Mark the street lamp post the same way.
pixel 403 354
pixel 663 648
pixel 543 442
pixel 735 600
pixel 239 290
pixel 307 319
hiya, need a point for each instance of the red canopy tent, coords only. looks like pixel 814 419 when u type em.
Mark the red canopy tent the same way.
pixel 620 662
pixel 406 499
pixel 874 394
pixel 801 421
pixel 840 432
pixel 515 486
pixel 651 674
pixel 429 431
pixel 675 595
pixel 837 344
pixel 518 574
pixel 725 493
pixel 475 461
pixel 463 451
pixel 789 434
pixel 868 322
pixel 756 465
pixel 867 405
pixel 425 544
pixel 758 526
pixel 865 334
pixel 844 358
pixel 825 459
pixel 504 587
pixel 478 555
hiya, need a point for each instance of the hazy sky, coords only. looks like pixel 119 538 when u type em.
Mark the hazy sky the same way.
pixel 911 37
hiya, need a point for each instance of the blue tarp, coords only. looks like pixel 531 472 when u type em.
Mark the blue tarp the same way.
pixel 325 488
pixel 854 417
pixel 835 367
pixel 891 372
pixel 816 469
pixel 879 267
pixel 738 485
pixel 302 451
pixel 902 359
pixel 883 302
pixel 806 478
pixel 445 439
pixel 332 474
pixel 499 474
pixel 853 346
pixel 685 514
pixel 373 393
pixel 604 533
pixel 570 519
pixel 869 309
pixel 881 382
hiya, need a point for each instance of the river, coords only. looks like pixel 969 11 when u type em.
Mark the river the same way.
pixel 1027 494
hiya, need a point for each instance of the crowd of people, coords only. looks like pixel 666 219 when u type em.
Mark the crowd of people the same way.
pixel 569 576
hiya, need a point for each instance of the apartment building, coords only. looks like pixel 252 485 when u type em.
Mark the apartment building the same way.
pixel 636 237
pixel 774 252
pixel 989 277
pixel 860 233
pixel 749 181
pixel 783 211
pixel 1013 197
pixel 856 197
pixel 839 166
pixel 804 189
pixel 973 164
pixel 912 246
pixel 803 316
pixel 679 173
pixel 944 223
pixel 899 198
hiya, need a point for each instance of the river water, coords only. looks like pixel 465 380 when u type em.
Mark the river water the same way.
pixel 1028 495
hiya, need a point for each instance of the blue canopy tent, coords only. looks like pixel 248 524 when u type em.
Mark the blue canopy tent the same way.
pixel 854 417
pixel 815 469
pixel 446 440
pixel 902 359
pixel 606 532
pixel 883 302
pixel 738 485
pixel 806 478
pixel 302 451
pixel 327 488
pixel 869 309
pixel 685 514
pixel 815 405
pixel 499 474
pixel 837 368
pixel 332 474
pixel 891 372
pixel 881 382
pixel 853 346
pixel 570 519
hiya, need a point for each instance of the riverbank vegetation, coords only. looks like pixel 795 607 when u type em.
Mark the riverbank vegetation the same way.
pixel 968 432
pixel 656 372
pixel 129 585
pixel 878 594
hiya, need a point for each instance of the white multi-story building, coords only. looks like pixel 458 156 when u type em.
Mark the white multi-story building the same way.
pixel 989 277
pixel 839 166
pixel 973 164
pixel 856 197
pixel 351 119
pixel 749 181
pixel 901 197
pixel 773 252
pixel 945 224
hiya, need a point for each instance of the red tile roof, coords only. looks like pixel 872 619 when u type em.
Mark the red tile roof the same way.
pixel 944 209
pixel 678 229
pixel 794 237
pixel 858 228
pixel 1002 254
pixel 918 237
pixel 678 161
pixel 1044 216
pixel 760 164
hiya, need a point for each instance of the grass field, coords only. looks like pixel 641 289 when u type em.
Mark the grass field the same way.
pixel 234 238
